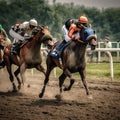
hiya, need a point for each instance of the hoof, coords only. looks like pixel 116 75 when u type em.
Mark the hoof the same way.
pixel 90 97
pixel 28 86
pixel 19 87
pixel 58 97
pixel 65 89
pixel 40 95
pixel 14 90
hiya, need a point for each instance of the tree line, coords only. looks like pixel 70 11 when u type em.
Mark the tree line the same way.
pixel 104 21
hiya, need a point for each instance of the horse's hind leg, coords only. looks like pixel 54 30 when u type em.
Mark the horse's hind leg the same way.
pixel 18 79
pixel 82 74
pixel 11 78
pixel 40 68
pixel 46 80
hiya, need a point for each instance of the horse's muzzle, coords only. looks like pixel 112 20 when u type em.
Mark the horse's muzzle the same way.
pixel 93 44
pixel 93 47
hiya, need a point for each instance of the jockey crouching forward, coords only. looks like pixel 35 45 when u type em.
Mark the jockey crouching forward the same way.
pixel 4 41
pixel 71 31
pixel 21 32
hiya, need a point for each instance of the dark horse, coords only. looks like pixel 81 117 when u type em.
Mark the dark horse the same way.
pixel 29 55
pixel 73 60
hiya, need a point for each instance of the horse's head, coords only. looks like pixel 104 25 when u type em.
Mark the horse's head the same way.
pixel 4 41
pixel 46 36
pixel 88 36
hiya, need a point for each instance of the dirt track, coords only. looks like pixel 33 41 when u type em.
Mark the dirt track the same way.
pixel 26 105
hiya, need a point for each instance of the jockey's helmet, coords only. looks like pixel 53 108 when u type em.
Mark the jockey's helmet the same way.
pixel 0 27
pixel 33 22
pixel 83 19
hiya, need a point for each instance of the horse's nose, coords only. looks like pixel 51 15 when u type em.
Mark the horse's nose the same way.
pixel 50 42
pixel 93 42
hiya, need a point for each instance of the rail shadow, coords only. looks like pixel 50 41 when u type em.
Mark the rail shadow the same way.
pixel 10 93
pixel 54 102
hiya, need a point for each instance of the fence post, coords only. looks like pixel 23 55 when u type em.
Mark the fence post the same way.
pixel 111 65
pixel 99 53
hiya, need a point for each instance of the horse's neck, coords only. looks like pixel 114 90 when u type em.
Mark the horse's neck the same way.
pixel 35 43
pixel 34 47
pixel 79 47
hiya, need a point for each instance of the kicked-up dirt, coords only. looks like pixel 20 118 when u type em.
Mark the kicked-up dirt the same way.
pixel 75 105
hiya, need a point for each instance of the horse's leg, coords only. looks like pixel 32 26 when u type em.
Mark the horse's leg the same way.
pixel 49 69
pixel 11 77
pixel 82 73
pixel 22 72
pixel 61 81
pixel 40 68
pixel 18 79
pixel 72 80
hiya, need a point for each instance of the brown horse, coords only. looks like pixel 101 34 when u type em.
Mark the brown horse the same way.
pixel 29 55
pixel 73 60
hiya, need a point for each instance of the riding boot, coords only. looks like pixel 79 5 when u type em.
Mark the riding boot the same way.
pixel 60 46
pixel 56 53
pixel 15 48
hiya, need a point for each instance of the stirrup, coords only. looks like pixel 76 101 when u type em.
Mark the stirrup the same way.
pixel 54 54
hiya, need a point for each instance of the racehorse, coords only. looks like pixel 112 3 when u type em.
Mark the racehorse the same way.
pixel 73 60
pixel 29 56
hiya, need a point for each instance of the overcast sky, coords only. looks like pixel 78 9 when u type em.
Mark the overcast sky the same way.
pixel 92 3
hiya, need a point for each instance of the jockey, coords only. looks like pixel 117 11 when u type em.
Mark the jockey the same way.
pixel 4 41
pixel 21 32
pixel 77 27
pixel 71 32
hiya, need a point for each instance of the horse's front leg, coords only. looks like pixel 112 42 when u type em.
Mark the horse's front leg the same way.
pixel 82 73
pixel 61 81
pixel 22 72
pixel 69 74
pixel 18 79
pixel 11 78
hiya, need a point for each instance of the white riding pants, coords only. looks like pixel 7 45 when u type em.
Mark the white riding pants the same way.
pixel 65 33
pixel 16 36
pixel 66 37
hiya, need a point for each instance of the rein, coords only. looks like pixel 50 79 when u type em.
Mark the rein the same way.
pixel 80 41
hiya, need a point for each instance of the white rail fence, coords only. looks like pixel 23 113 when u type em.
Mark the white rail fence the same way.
pixel 108 50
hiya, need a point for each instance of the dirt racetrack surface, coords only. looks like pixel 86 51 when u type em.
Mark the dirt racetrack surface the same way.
pixel 75 105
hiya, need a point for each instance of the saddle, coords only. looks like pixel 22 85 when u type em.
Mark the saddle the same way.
pixel 15 48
